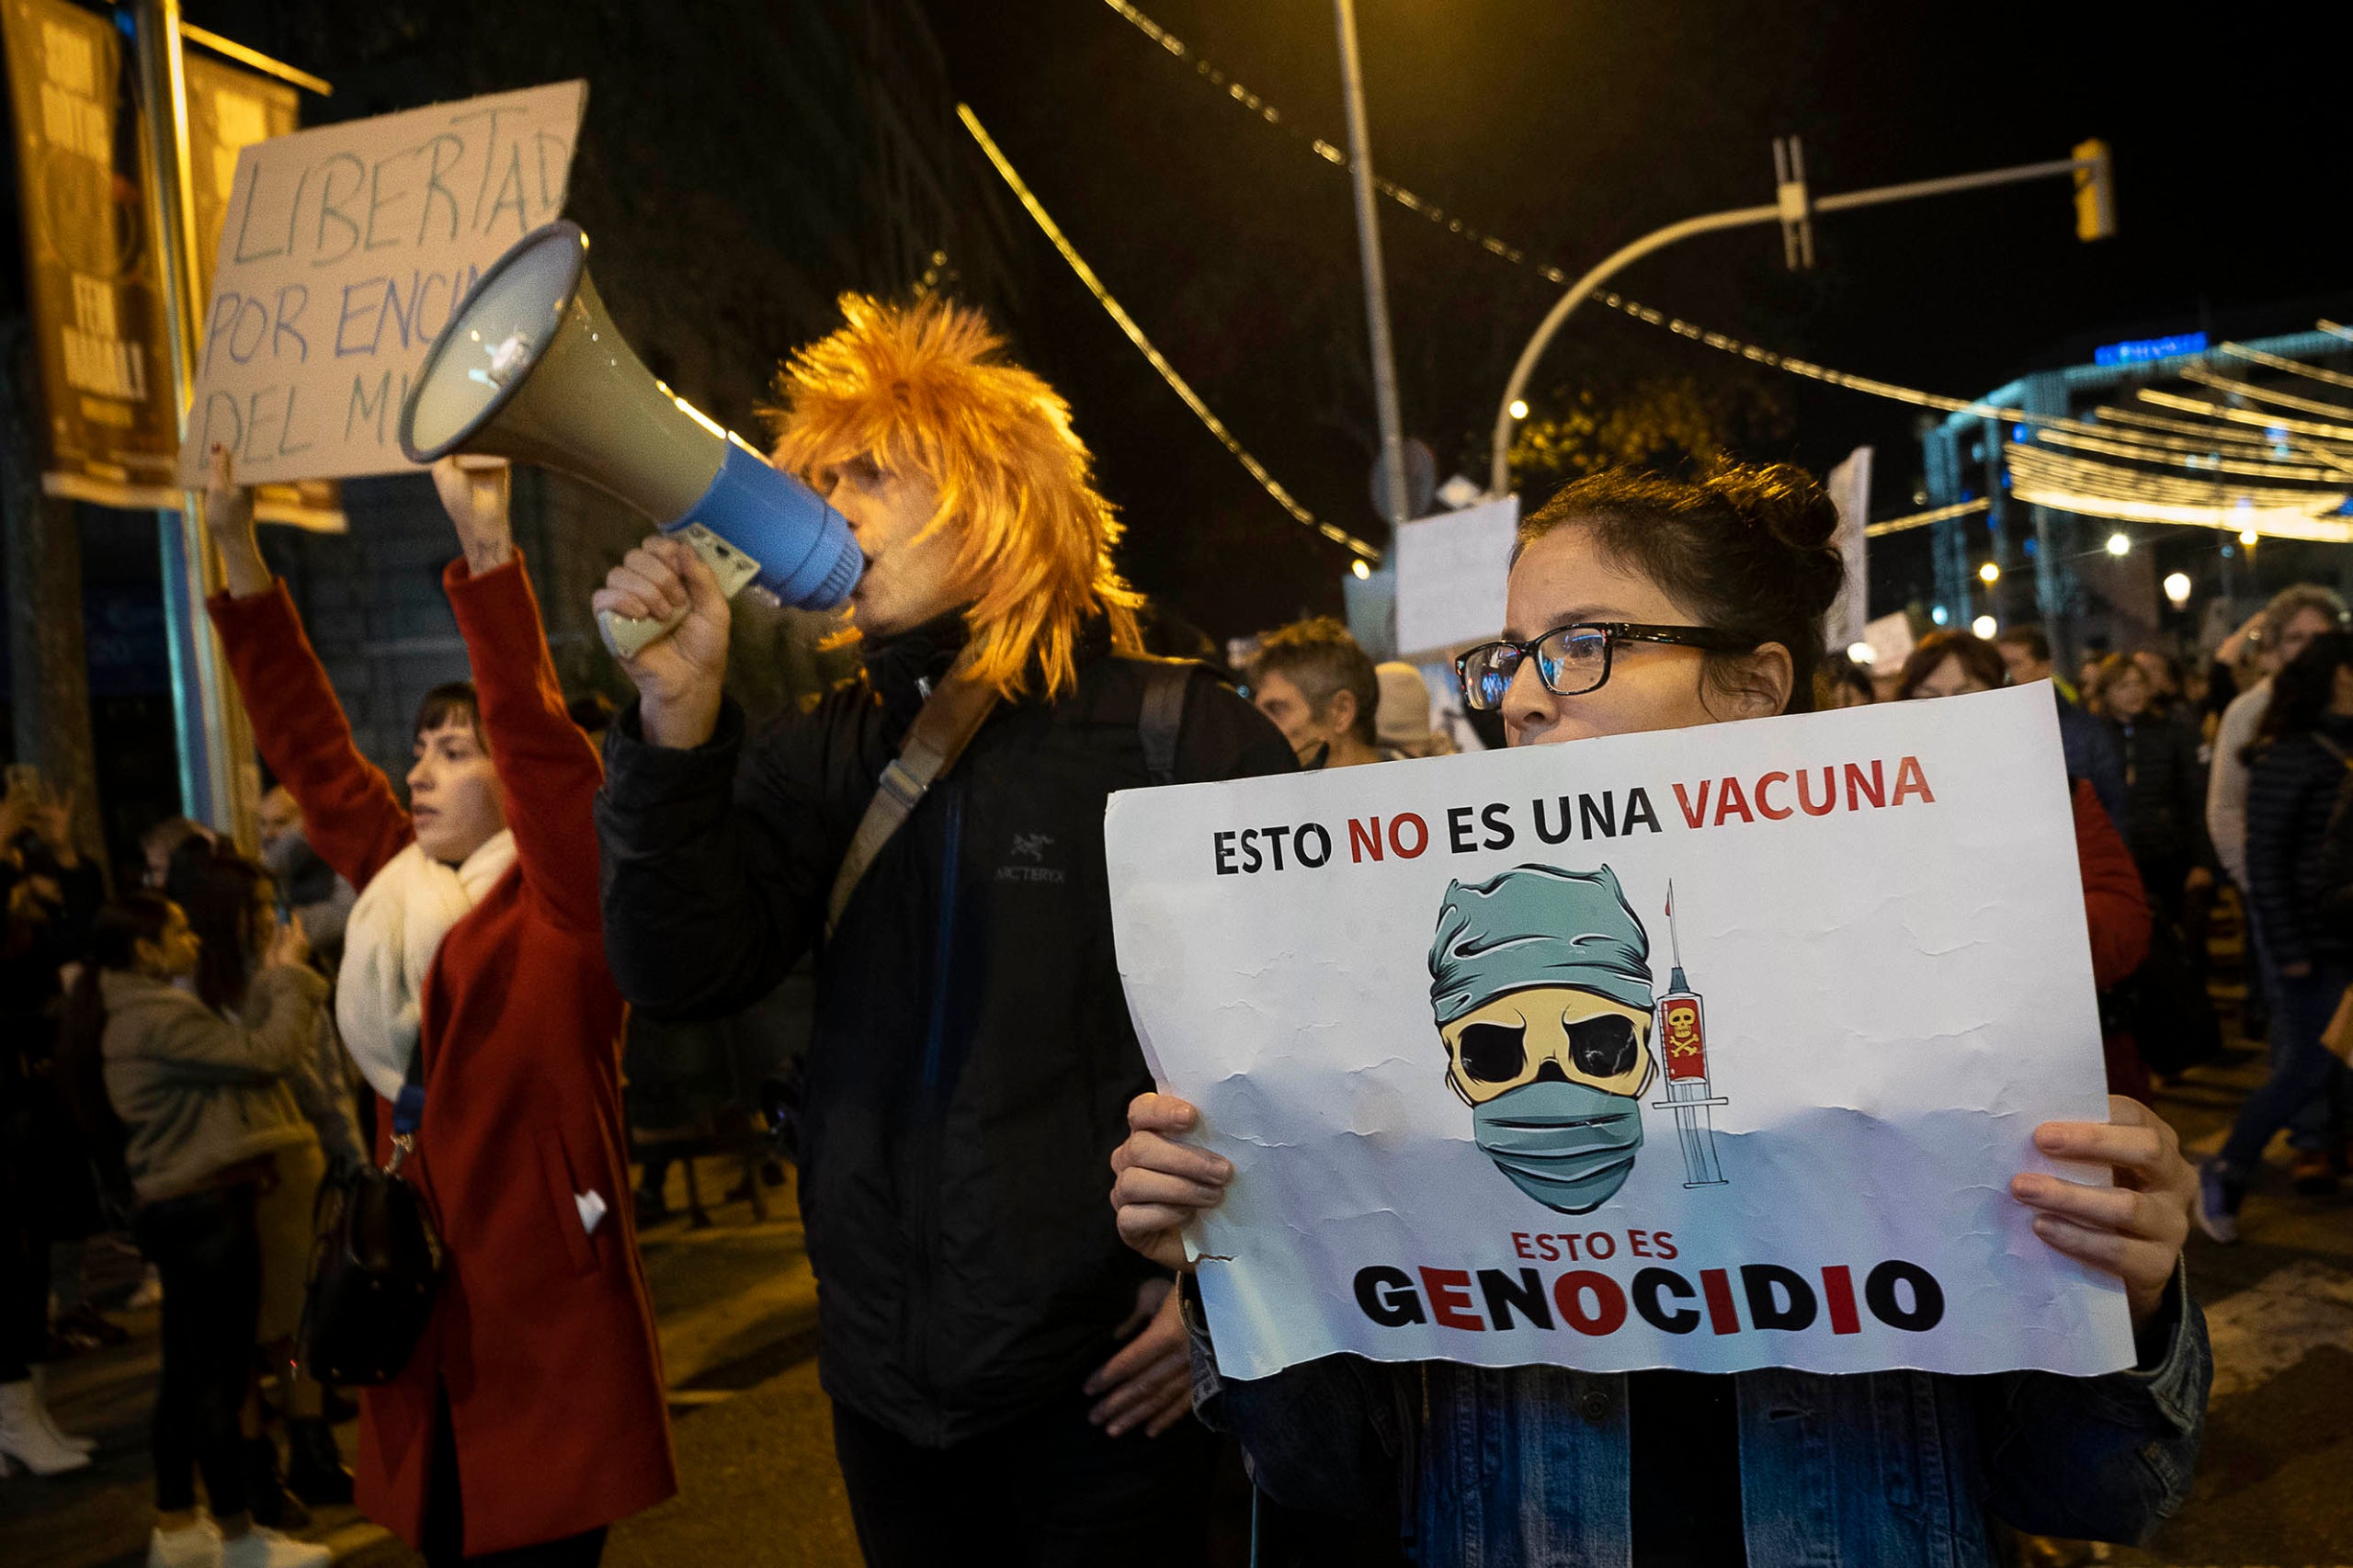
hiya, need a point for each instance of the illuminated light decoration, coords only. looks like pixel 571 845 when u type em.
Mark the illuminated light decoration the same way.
pixel 2093 489
pixel 1989 572
pixel 1940 615
pixel 2294 367
pixel 1922 519
pixel 1861 654
pixel 2246 536
pixel 2177 588
pixel 1984 626
pixel 2210 463
pixel 1127 324
pixel 2277 428
pixel 1360 569
pixel 2272 425
pixel 2140 350
pixel 1519 408
pixel 2119 544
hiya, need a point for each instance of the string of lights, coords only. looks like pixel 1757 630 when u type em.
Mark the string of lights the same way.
pixel 1922 519
pixel 1135 335
pixel 1503 249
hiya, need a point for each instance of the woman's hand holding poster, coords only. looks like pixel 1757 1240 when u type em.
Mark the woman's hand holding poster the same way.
pixel 1714 1048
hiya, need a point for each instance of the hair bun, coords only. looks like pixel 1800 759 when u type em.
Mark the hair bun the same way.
pixel 1789 507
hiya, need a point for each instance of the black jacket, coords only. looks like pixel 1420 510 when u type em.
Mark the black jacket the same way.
pixel 972 1056
pixel 2164 788
pixel 2291 793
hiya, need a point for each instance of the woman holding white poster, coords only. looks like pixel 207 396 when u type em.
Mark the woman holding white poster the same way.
pixel 1642 604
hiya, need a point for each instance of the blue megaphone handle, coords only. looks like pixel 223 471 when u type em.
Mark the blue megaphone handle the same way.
pixel 806 555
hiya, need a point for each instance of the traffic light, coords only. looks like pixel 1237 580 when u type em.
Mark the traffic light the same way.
pixel 2094 192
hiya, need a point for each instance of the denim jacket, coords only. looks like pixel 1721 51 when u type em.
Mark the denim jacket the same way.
pixel 1485 1467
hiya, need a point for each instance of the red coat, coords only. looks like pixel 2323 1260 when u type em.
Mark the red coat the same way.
pixel 2115 908
pixel 543 1334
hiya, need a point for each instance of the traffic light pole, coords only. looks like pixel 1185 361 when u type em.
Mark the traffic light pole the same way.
pixel 2090 166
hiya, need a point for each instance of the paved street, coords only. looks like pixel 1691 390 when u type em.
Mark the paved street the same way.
pixel 759 1486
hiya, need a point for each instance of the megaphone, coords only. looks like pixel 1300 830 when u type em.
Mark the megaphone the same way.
pixel 529 368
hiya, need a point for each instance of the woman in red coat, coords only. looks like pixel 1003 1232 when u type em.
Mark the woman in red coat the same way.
pixel 536 1392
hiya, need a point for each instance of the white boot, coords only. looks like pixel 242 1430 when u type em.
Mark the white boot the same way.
pixel 74 1441
pixel 25 1437
pixel 259 1548
pixel 198 1546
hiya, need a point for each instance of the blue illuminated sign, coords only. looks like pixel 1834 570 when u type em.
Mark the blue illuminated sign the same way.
pixel 2140 350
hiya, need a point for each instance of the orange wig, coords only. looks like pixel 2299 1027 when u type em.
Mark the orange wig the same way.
pixel 926 388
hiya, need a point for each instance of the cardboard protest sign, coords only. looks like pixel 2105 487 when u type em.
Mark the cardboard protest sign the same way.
pixel 1712 1048
pixel 1450 571
pixel 341 253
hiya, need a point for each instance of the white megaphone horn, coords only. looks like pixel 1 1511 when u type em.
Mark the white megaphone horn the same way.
pixel 529 368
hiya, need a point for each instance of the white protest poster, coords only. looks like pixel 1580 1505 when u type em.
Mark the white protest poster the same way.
pixel 1451 571
pixel 1490 1100
pixel 342 253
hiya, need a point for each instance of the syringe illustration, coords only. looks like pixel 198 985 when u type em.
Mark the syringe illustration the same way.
pixel 1683 1035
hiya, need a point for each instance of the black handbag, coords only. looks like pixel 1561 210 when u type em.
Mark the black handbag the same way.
pixel 375 1264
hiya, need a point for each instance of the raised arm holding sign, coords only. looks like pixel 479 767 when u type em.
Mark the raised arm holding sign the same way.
pixel 1419 1049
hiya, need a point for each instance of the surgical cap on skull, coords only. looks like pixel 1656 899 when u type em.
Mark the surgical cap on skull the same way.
pixel 1537 926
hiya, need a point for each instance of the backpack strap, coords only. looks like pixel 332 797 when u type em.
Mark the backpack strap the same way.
pixel 1162 716
pixel 945 724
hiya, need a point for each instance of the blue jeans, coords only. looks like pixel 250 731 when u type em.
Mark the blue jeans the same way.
pixel 2313 1121
pixel 2301 1065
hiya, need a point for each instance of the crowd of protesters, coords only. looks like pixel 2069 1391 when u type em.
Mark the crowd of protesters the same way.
pixel 1007 1359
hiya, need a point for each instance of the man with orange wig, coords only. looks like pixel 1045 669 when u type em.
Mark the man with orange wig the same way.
pixel 1000 1373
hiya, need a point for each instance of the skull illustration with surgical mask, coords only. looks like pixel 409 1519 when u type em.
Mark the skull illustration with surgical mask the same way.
pixel 1540 986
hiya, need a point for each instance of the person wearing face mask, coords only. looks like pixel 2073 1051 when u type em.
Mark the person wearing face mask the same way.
pixel 1640 603
pixel 314 895
pixel 1002 1370
pixel 473 992
pixel 1321 690
pixel 204 1104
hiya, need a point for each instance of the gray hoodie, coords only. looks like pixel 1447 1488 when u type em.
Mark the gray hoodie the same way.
pixel 197 1092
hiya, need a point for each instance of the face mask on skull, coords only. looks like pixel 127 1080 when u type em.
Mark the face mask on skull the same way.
pixel 1541 992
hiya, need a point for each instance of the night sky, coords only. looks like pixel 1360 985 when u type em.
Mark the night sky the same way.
pixel 1569 128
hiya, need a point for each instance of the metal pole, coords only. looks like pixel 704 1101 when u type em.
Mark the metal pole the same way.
pixel 1376 284
pixel 1499 469
pixel 218 779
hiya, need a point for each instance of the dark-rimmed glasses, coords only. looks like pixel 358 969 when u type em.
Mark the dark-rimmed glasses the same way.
pixel 1572 660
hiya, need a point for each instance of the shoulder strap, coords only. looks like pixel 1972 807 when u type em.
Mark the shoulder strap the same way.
pixel 1163 717
pixel 945 724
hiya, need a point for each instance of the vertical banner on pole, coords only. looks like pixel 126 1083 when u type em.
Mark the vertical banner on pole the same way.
pixel 110 431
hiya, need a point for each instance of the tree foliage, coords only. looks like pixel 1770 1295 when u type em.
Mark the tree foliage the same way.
pixel 1654 421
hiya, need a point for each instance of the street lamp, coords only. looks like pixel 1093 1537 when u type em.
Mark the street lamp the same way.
pixel 1985 626
pixel 1989 574
pixel 2177 588
pixel 2119 544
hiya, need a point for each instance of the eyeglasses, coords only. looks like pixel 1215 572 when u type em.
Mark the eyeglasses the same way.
pixel 1573 660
